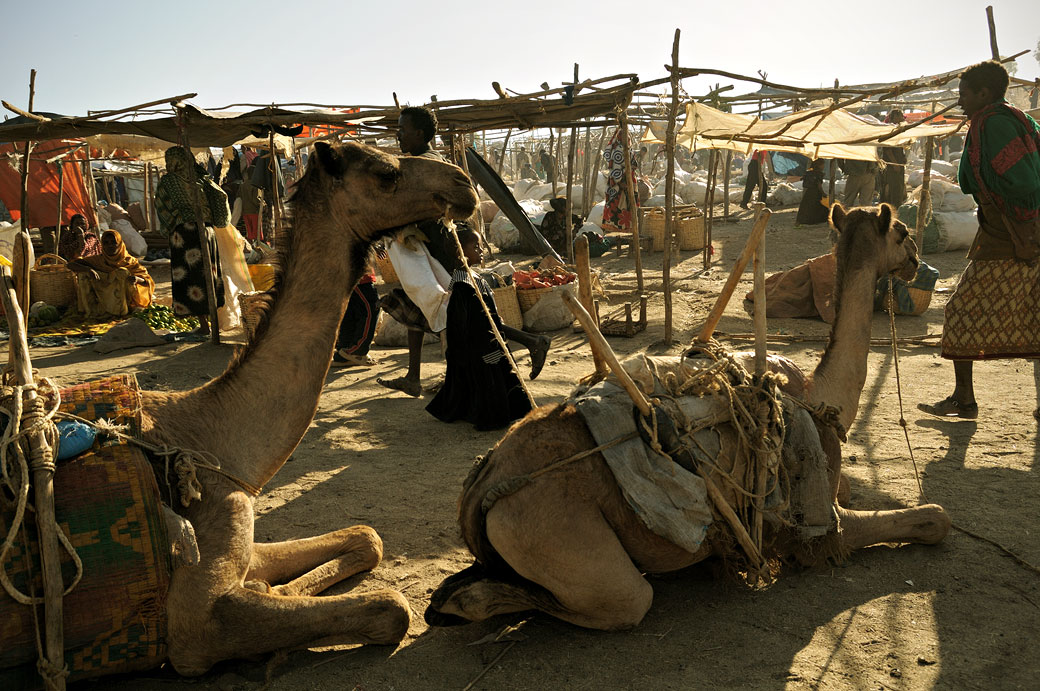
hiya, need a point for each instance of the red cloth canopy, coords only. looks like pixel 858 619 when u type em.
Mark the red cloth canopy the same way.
pixel 43 183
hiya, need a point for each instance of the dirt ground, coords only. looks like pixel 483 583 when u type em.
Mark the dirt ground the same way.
pixel 957 615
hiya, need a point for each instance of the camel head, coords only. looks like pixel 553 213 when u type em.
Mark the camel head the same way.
pixel 367 193
pixel 874 236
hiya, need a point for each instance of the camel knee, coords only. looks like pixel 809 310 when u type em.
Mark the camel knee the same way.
pixel 626 610
pixel 389 617
pixel 363 542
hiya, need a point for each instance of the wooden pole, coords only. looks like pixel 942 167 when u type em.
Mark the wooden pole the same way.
pixel 633 205
pixel 148 194
pixel 21 274
pixel 992 33
pixel 581 251
pixel 669 191
pixel 600 345
pixel 570 187
pixel 42 466
pixel 760 302
pixel 709 205
pixel 758 231
pixel 61 195
pixel 597 165
pixel 586 193
pixel 554 147
pixel 153 183
pixel 276 211
pixel 833 174
pixel 502 158
pixel 725 189
pixel 924 204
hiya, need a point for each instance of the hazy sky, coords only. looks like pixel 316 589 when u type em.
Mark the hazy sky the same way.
pixel 118 53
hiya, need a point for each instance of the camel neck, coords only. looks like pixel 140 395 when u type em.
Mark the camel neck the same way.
pixel 265 402
pixel 838 379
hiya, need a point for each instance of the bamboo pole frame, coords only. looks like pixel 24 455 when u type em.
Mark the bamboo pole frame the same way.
pixel 568 224
pixel 924 204
pixel 633 206
pixel 669 192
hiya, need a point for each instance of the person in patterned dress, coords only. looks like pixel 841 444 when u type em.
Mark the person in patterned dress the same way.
pixel 176 199
pixel 995 311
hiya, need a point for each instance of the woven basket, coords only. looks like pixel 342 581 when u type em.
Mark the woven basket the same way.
pixel 687 224
pixel 529 296
pixel 250 305
pixel 508 306
pixel 386 270
pixel 921 299
pixel 54 283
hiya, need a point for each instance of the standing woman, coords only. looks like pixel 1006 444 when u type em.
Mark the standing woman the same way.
pixel 175 203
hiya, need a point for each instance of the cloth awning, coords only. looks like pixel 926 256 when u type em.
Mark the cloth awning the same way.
pixel 814 133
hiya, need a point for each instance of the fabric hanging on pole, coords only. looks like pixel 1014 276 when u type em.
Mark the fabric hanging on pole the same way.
pixel 616 212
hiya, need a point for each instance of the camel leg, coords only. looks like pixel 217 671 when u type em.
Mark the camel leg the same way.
pixel 570 551
pixel 927 524
pixel 245 623
pixel 310 565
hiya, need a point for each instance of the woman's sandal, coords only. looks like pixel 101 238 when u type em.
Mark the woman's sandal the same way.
pixel 951 407
pixel 412 388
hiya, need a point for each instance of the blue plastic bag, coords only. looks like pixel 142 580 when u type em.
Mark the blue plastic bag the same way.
pixel 73 438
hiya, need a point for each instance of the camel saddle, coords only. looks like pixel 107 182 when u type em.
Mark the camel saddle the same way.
pixel 107 503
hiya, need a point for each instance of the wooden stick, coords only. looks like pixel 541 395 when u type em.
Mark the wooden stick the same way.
pixel 586 193
pixel 502 158
pixel 669 191
pixel 633 205
pixel 569 205
pixel 924 204
pixel 757 233
pixel 725 190
pixel 992 33
pixel 554 153
pixel 276 209
pixel 581 251
pixel 599 344
pixel 834 174
pixel 760 303
pixel 723 507
pixel 709 205
pixel 148 194
pixel 61 195
pixel 22 272
pixel 43 491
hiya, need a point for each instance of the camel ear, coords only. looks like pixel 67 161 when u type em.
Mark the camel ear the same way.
pixel 837 217
pixel 329 159
pixel 885 218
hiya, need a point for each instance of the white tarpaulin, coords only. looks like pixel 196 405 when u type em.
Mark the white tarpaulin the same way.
pixel 815 133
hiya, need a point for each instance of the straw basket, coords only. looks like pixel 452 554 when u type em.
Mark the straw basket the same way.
pixel 508 306
pixel 921 299
pixel 529 296
pixel 688 226
pixel 54 283
pixel 250 305
pixel 386 270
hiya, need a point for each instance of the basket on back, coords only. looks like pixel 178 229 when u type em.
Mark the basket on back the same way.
pixel 52 283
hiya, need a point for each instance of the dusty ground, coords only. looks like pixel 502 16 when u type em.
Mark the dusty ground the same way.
pixel 958 615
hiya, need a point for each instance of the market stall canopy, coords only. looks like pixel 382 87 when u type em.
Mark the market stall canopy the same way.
pixel 818 133
pixel 204 128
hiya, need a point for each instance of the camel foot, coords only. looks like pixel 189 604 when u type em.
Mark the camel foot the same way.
pixel 471 595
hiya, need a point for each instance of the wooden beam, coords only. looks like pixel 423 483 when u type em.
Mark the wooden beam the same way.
pixel 669 191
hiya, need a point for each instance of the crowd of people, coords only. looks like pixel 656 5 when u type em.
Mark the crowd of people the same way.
pixel 443 292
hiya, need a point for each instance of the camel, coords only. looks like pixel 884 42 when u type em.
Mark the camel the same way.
pixel 569 545
pixel 246 598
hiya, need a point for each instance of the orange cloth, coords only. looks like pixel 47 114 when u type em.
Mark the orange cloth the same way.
pixel 115 292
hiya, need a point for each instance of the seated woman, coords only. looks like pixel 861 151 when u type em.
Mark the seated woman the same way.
pixel 112 283
pixel 76 241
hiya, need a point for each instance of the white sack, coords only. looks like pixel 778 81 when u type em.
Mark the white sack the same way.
pixel 424 280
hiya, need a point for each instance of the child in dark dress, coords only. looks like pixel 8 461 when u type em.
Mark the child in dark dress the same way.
pixel 480 385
